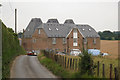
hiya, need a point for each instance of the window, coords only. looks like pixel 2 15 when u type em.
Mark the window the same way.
pixel 83 29
pixel 34 40
pixel 64 40
pixel 49 29
pixel 85 40
pixel 94 41
pixel 53 40
pixel 75 43
pixel 75 33
pixel 57 29
pixel 38 31
pixel 89 29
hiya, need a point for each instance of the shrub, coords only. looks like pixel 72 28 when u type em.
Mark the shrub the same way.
pixel 86 64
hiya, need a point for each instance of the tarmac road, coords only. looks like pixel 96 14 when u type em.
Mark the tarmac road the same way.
pixel 29 67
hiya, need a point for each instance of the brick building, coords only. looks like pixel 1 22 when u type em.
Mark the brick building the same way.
pixel 61 37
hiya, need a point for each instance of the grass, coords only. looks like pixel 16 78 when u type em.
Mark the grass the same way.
pixel 53 66
pixel 67 73
pixel 58 70
pixel 106 62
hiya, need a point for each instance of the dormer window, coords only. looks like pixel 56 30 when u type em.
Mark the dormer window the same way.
pixel 83 29
pixel 49 29
pixel 57 29
pixel 89 29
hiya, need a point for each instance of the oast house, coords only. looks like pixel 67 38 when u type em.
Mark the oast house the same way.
pixel 61 37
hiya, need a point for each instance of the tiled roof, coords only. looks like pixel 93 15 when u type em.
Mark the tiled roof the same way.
pixel 52 21
pixel 69 21
pixel 53 29
pixel 34 23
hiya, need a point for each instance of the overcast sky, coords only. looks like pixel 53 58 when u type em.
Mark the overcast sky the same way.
pixel 100 14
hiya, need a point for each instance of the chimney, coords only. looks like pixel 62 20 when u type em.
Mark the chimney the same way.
pixel 23 30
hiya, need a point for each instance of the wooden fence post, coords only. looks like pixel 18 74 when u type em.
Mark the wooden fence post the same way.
pixel 73 63
pixel 70 63
pixel 98 69
pixel 110 71
pixel 79 64
pixel 60 59
pixel 76 64
pixel 65 61
pixel 116 73
pixel 103 70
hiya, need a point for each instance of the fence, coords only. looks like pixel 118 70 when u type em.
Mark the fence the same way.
pixel 72 63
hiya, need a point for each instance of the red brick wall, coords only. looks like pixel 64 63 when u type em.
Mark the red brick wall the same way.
pixel 27 44
pixel 70 41
pixel 90 44
pixel 43 42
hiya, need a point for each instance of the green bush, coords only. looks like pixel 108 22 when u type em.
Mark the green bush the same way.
pixel 10 49
pixel 86 64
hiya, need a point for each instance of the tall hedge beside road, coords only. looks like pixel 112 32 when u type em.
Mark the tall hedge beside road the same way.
pixel 10 49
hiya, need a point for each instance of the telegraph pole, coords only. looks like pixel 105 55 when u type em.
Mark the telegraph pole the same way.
pixel 15 20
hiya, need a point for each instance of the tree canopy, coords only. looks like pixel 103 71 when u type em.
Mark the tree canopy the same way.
pixel 108 35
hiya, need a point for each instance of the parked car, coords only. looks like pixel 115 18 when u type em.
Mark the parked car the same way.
pixel 31 53
pixel 60 53
pixel 75 52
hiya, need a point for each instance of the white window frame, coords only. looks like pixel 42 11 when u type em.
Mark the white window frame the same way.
pixel 94 40
pixel 75 37
pixel 53 40
pixel 64 40
pixel 75 33
pixel 39 31
pixel 75 42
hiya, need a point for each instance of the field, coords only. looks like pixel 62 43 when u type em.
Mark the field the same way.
pixel 110 47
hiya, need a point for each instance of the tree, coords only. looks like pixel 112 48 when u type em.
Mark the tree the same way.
pixel 108 35
pixel 12 32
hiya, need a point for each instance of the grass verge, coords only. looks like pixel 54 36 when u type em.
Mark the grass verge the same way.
pixel 58 70
pixel 53 67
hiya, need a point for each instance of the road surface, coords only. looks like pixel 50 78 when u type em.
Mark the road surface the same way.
pixel 29 67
